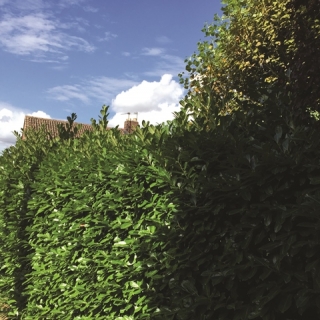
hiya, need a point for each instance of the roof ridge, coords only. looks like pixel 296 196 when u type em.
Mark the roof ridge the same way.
pixel 57 120
pixel 51 125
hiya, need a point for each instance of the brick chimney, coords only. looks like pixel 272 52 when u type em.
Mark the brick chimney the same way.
pixel 130 125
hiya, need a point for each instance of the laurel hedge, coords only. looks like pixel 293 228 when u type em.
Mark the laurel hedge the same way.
pixel 172 222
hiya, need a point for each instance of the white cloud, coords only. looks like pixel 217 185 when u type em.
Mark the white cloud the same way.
pixel 163 40
pixel 152 51
pixel 108 36
pixel 39 114
pixel 38 35
pixel 126 54
pixel 11 119
pixel 67 92
pixel 154 101
pixel 104 88
pixel 99 88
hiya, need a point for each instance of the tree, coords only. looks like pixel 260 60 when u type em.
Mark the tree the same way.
pixel 258 50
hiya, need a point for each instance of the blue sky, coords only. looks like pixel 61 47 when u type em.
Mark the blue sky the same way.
pixel 64 56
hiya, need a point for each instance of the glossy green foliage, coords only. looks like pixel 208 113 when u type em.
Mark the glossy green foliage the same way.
pixel 17 166
pixel 177 222
pixel 100 209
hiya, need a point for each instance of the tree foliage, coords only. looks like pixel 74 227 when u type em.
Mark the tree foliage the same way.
pixel 256 46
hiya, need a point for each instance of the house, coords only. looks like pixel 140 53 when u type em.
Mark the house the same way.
pixel 51 125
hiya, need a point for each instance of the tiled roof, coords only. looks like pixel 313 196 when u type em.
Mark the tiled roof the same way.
pixel 51 125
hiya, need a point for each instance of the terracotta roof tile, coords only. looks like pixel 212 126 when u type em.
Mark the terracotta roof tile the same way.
pixel 51 125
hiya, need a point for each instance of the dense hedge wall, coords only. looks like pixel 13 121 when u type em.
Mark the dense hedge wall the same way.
pixel 172 222
pixel 248 238
pixel 17 166
pixel 95 210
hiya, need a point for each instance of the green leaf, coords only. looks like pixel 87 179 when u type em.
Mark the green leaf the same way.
pixel 245 194
pixel 134 284
pixel 302 298
pixel 126 225
pixel 278 134
pixel 189 287
pixel 285 145
pixel 285 302
pixel 315 180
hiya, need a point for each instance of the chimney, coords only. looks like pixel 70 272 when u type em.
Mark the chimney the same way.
pixel 130 125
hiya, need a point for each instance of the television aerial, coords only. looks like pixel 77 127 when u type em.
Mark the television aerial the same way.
pixel 128 113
